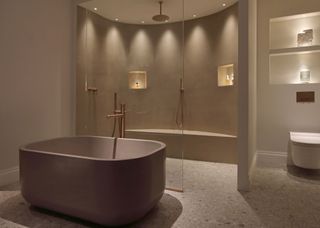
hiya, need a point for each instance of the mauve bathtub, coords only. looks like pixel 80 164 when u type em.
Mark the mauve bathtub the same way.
pixel 78 176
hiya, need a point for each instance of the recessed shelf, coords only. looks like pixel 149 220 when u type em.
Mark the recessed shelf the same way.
pixel 294 50
pixel 291 68
pixel 286 32
pixel 137 80
pixel 225 75
pixel 294 53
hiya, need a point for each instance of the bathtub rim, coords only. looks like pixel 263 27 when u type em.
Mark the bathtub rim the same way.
pixel 297 138
pixel 24 148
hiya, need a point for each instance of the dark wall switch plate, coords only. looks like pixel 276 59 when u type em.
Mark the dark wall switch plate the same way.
pixel 307 96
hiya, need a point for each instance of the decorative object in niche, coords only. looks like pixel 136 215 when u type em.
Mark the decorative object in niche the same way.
pixel 137 79
pixel 305 76
pixel 226 75
pixel 305 38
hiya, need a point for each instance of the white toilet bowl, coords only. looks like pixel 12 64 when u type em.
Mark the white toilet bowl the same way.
pixel 305 149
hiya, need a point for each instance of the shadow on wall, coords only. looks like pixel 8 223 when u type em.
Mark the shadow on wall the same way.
pixel 16 210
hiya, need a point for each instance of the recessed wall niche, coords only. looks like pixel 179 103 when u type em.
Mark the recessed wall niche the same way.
pixel 137 79
pixel 294 53
pixel 226 75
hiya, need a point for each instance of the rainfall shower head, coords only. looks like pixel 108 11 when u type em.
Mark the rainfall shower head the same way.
pixel 160 17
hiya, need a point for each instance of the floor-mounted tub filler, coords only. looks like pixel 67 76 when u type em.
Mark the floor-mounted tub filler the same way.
pixel 99 179
pixel 305 149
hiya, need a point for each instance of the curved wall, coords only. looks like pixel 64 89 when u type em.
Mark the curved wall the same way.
pixel 107 51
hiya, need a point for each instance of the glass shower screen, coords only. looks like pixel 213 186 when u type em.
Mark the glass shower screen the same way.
pixel 130 53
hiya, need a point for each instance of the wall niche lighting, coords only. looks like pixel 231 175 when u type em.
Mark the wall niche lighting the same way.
pixel 226 75
pixel 137 79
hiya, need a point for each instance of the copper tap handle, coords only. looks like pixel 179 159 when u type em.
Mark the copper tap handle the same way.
pixel 114 115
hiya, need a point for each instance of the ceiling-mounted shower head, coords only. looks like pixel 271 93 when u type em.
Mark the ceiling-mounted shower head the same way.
pixel 160 17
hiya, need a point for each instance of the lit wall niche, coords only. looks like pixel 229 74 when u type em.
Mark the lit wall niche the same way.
pixel 294 53
pixel 226 75
pixel 137 79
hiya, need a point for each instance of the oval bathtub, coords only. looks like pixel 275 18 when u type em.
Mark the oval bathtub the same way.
pixel 83 177
pixel 305 149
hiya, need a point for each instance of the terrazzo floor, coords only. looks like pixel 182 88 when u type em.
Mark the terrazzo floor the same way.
pixel 210 200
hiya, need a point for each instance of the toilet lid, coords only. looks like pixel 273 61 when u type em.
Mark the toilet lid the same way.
pixel 305 137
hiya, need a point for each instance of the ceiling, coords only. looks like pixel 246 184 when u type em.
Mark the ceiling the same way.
pixel 142 11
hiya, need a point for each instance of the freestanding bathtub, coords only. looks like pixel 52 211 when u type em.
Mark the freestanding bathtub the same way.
pixel 85 177
pixel 305 149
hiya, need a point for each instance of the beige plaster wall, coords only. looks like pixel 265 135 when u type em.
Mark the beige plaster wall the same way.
pixel 278 113
pixel 112 49
pixel 247 96
pixel 252 128
pixel 36 93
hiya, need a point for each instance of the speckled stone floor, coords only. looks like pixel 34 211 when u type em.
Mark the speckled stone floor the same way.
pixel 210 200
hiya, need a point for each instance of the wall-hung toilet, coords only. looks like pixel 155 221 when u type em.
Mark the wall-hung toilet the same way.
pixel 305 149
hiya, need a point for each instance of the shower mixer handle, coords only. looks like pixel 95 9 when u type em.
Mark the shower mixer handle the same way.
pixel 114 115
pixel 121 114
pixel 118 111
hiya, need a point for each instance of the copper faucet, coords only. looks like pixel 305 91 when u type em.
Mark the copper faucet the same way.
pixel 121 115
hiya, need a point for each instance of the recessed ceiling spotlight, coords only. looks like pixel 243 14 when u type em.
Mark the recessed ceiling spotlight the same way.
pixel 224 4
pixel 194 15
pixel 95 9
pixel 117 19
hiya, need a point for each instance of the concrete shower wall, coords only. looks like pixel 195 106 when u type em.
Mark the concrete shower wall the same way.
pixel 112 49
pixel 210 42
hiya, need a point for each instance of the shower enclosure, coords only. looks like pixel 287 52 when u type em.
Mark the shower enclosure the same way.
pixel 138 59
pixel 166 74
